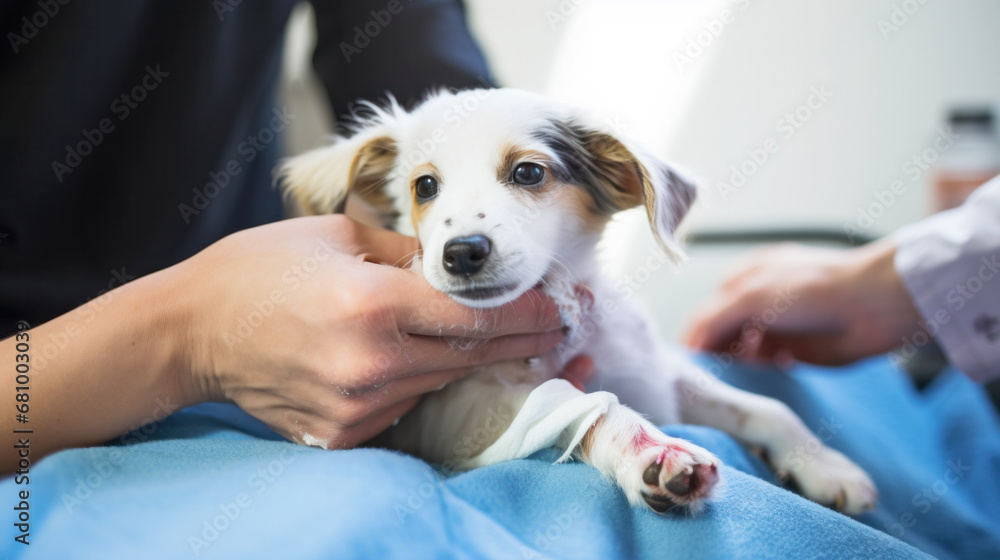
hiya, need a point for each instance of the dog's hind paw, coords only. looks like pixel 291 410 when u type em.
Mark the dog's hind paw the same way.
pixel 828 477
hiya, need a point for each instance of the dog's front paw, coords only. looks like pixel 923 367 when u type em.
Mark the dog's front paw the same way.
pixel 828 477
pixel 675 473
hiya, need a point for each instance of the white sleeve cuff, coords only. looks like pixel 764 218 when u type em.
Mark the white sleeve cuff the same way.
pixel 950 265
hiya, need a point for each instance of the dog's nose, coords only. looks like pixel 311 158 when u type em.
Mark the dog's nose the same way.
pixel 466 255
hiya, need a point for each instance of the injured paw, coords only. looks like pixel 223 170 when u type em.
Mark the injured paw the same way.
pixel 652 468
pixel 672 474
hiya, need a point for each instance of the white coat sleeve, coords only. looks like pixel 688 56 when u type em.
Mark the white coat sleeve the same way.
pixel 950 264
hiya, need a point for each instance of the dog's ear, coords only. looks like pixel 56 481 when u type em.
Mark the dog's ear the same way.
pixel 619 176
pixel 320 180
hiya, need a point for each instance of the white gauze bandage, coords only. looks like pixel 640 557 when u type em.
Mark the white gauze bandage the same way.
pixel 555 414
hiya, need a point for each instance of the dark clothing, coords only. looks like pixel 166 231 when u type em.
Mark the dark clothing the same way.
pixel 135 133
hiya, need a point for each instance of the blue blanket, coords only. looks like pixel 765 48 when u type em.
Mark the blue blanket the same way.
pixel 211 482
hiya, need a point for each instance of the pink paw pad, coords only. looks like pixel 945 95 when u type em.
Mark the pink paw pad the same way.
pixel 692 482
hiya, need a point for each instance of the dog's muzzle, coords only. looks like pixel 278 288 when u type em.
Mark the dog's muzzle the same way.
pixel 465 256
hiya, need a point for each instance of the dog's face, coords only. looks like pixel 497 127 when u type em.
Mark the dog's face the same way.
pixel 499 186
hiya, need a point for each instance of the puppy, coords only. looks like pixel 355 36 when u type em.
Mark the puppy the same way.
pixel 507 190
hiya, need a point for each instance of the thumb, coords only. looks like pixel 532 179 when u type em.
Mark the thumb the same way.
pixel 382 246
pixel 828 349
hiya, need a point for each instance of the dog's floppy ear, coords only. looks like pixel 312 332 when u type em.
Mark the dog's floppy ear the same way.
pixel 620 176
pixel 321 179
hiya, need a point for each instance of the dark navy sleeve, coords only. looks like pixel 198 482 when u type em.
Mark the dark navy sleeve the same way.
pixel 407 47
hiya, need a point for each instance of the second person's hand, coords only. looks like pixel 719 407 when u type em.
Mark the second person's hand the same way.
pixel 823 306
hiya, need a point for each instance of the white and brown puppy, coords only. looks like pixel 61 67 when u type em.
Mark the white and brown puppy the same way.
pixel 507 190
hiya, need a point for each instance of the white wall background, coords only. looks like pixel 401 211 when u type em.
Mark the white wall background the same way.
pixel 890 92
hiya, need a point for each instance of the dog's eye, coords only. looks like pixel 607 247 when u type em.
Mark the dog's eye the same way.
pixel 528 174
pixel 427 188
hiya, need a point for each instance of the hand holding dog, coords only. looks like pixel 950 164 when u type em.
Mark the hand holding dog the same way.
pixel 822 306
pixel 292 321
pixel 299 326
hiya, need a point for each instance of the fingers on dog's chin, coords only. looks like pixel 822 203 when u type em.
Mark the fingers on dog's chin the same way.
pixel 379 422
pixel 549 316
pixel 550 339
pixel 526 295
pixel 579 371
pixel 387 247
pixel 581 366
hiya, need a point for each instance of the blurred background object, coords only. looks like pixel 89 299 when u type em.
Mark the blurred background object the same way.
pixel 823 122
pixel 971 161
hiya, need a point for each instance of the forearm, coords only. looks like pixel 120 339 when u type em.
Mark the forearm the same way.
pixel 96 372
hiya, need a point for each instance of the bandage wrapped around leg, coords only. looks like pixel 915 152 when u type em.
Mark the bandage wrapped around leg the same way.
pixel 555 414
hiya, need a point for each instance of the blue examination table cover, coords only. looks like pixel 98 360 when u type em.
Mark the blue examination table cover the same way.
pixel 211 482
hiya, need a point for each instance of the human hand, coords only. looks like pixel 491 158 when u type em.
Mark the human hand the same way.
pixel 791 302
pixel 579 371
pixel 297 324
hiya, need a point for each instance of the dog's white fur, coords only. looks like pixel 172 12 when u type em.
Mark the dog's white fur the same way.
pixel 547 235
